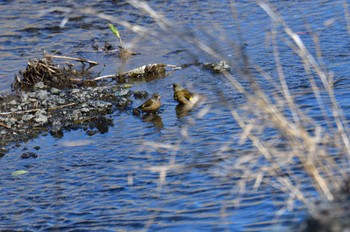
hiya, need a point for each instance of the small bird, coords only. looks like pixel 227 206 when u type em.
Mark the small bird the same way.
pixel 150 106
pixel 182 95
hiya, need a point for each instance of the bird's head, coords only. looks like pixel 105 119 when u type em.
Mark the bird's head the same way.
pixel 176 87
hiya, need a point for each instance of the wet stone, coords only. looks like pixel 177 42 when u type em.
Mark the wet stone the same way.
pixel 140 94
pixel 61 101
pixel 24 97
pixel 27 117
pixel 75 91
pixel 40 85
pixel 11 121
pixel 40 118
pixel 13 102
pixel 55 91
pixel 91 132
pixel 76 114
pixel 29 154
pixel 85 110
pixel 42 94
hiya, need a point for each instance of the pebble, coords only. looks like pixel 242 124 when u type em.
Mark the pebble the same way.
pixel 40 85
pixel 29 154
pixel 55 91
pixel 27 117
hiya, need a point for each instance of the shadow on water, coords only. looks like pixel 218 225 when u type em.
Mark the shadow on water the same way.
pixel 131 176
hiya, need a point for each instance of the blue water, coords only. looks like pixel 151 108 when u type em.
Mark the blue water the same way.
pixel 110 181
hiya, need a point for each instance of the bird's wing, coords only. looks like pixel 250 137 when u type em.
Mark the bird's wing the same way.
pixel 146 104
pixel 187 94
pixel 183 97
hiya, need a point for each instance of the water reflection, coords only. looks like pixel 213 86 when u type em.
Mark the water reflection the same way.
pixel 182 110
pixel 154 119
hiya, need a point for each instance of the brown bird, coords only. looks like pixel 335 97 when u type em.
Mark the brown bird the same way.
pixel 150 106
pixel 182 95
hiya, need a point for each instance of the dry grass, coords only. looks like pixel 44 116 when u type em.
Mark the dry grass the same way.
pixel 297 137
pixel 321 151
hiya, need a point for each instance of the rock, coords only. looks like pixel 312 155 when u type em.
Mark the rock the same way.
pixel 40 85
pixel 85 110
pixel 24 97
pixel 27 117
pixel 123 102
pixel 55 91
pixel 61 101
pixel 57 129
pixel 40 118
pixel 102 124
pixel 140 94
pixel 75 91
pixel 91 132
pixel 42 95
pixel 29 154
pixel 10 121
pixel 76 115
pixel 13 103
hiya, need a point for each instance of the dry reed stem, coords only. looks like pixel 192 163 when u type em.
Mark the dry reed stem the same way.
pixel 263 111
pixel 347 15
pixel 309 59
pixel 294 132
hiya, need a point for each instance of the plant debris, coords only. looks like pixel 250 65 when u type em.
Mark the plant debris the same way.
pixel 53 98
pixel 44 70
pixel 219 67
pixel 144 73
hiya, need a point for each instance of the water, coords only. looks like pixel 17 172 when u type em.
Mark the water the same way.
pixel 110 181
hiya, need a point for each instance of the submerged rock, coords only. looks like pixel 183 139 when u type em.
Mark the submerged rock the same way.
pixel 29 154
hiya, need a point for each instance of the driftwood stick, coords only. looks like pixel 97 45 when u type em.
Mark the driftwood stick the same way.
pixel 4 125
pixel 139 70
pixel 104 77
pixel 19 112
pixel 34 110
pixel 72 58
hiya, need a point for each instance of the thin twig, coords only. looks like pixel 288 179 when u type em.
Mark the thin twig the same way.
pixel 83 60
pixel 4 125
pixel 104 77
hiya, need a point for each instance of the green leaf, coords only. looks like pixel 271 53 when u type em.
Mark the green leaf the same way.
pixel 116 32
pixel 19 172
